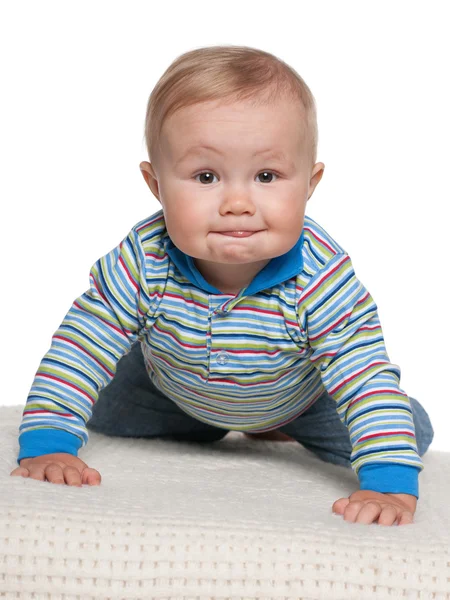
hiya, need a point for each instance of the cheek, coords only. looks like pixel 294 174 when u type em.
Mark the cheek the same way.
pixel 178 197
pixel 184 222
pixel 185 213
pixel 290 214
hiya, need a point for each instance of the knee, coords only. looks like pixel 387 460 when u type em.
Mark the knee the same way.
pixel 423 427
pixel 424 440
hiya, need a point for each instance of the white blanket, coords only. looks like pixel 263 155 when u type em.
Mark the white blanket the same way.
pixel 235 519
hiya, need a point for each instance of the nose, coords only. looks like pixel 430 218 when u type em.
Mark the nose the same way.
pixel 237 202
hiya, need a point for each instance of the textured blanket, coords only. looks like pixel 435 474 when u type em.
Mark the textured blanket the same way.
pixel 235 519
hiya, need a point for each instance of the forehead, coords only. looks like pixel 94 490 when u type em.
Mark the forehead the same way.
pixel 247 114
pixel 214 127
pixel 204 148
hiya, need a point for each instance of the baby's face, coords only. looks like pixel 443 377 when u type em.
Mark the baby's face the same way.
pixel 233 181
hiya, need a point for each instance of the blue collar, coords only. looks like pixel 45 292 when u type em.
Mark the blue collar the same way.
pixel 279 269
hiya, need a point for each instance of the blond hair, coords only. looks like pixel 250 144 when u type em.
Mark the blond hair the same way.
pixel 226 73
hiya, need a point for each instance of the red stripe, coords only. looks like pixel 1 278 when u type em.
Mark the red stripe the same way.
pixel 48 412
pixel 369 327
pixel 257 311
pixel 386 434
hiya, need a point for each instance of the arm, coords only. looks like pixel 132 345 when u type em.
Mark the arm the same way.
pixel 98 330
pixel 340 320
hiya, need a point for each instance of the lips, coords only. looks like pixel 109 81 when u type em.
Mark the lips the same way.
pixel 240 234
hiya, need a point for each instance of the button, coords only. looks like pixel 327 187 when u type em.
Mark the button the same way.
pixel 222 358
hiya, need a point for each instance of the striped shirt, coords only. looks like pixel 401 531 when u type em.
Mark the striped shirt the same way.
pixel 247 362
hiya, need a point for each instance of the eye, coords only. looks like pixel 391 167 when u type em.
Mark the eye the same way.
pixel 208 180
pixel 265 173
pixel 211 175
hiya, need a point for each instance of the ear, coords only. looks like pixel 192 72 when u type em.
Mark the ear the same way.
pixel 151 180
pixel 316 176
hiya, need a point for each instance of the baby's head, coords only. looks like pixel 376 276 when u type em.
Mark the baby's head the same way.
pixel 231 134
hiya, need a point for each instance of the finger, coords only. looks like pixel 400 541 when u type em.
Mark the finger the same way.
pixel 339 506
pixel 72 476
pixel 54 473
pixel 90 476
pixel 388 516
pixel 351 510
pixel 361 512
pixel 369 513
pixel 37 472
pixel 406 518
pixel 20 472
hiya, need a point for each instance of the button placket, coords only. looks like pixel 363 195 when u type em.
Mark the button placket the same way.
pixel 219 312
pixel 218 309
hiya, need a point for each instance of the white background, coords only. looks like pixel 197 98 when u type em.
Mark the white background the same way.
pixel 75 81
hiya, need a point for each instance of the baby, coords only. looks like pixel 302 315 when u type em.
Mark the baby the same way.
pixel 229 308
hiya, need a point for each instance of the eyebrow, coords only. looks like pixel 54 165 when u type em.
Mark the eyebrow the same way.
pixel 200 148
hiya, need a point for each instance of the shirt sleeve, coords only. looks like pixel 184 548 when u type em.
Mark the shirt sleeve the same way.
pixel 340 320
pixel 100 327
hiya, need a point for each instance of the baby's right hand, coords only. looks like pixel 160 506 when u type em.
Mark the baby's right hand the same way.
pixel 60 467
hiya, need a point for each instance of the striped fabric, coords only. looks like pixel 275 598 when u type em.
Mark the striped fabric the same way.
pixel 250 362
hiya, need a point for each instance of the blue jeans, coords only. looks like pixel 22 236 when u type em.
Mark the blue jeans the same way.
pixel 131 406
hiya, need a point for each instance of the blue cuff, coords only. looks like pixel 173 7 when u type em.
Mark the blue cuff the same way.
pixel 47 441
pixel 389 478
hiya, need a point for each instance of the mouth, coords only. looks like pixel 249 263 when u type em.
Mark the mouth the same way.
pixel 239 234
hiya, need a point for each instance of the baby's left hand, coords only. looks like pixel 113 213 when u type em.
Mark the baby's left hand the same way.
pixel 365 506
